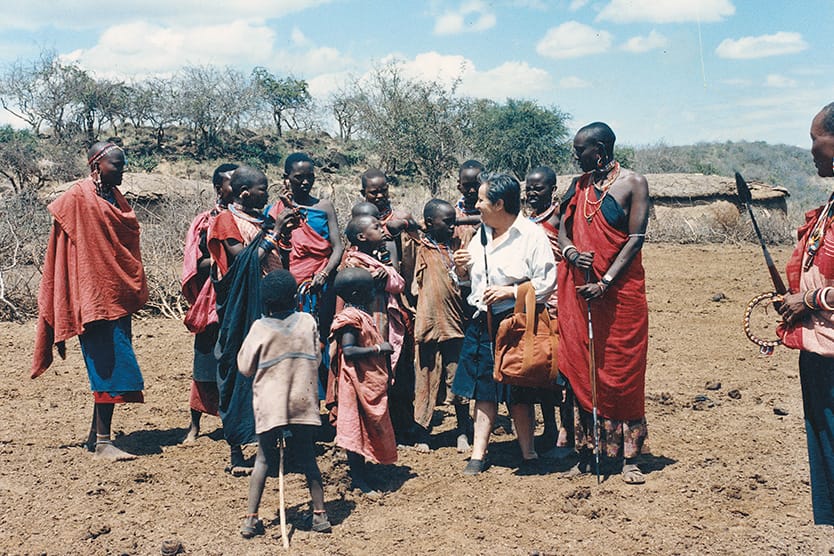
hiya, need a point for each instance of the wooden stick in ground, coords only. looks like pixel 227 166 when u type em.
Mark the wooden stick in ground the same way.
pixel 281 513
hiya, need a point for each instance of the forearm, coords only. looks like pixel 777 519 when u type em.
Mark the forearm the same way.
pixel 335 259
pixel 623 259
pixel 468 220
pixel 352 353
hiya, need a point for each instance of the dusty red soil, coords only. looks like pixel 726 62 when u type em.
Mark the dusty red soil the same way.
pixel 726 479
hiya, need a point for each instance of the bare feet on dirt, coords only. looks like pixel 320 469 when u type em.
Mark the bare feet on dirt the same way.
pixel 105 451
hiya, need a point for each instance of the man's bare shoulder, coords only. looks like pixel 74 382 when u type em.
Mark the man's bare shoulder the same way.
pixel 632 180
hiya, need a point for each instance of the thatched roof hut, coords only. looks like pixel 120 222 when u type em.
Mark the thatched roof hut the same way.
pixel 698 207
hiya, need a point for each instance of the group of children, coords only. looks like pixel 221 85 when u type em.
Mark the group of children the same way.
pixel 381 334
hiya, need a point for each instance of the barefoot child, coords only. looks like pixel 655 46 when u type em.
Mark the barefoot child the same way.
pixel 282 353
pixel 362 369
pixel 540 190
pixel 439 323
pixel 367 237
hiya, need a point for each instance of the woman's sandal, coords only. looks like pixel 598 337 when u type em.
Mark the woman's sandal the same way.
pixel 632 475
pixel 252 526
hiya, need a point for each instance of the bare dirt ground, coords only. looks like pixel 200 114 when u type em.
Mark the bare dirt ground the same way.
pixel 729 478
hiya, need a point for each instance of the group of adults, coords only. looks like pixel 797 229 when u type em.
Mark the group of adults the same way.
pixel 93 280
pixel 599 229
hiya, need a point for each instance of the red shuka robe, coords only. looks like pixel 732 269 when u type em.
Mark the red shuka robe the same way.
pixel 92 269
pixel 620 318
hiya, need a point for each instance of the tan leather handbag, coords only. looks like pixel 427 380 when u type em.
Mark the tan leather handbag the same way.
pixel 527 344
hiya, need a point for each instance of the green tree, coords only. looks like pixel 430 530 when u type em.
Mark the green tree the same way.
pixel 210 100
pixel 519 135
pixel 412 122
pixel 284 98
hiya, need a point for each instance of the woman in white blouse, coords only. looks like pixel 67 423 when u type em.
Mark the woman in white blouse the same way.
pixel 508 250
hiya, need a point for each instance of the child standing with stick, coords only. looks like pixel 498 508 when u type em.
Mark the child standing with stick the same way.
pixel 282 352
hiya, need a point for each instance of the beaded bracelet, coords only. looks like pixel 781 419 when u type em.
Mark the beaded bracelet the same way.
pixel 268 243
pixel 575 255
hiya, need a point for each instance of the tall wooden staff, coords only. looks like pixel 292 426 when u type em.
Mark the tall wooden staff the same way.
pixel 592 369
pixel 281 512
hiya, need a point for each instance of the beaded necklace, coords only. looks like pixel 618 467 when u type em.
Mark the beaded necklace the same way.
pixel 448 260
pixel 613 169
pixel 818 233
pixel 539 218
pixel 238 211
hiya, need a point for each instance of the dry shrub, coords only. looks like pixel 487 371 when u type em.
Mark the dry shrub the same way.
pixel 24 229
pixel 164 226
pixel 719 222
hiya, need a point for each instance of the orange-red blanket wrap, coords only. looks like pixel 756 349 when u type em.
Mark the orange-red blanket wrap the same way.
pixel 359 389
pixel 197 290
pixel 620 319
pixel 310 251
pixel 92 270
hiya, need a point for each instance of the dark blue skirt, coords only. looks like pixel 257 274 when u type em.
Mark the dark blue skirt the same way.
pixel 108 354
pixel 473 377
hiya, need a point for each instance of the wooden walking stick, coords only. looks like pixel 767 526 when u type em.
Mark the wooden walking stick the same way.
pixel 592 369
pixel 281 513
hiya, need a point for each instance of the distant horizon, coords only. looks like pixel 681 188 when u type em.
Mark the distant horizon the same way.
pixel 676 72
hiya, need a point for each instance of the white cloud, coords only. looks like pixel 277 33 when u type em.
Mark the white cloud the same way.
pixel 573 82
pixel 762 46
pixel 572 40
pixel 644 44
pixel 666 11
pixel 88 14
pixel 577 5
pixel 298 38
pixel 140 49
pixel 472 16
pixel 510 79
pixel 779 81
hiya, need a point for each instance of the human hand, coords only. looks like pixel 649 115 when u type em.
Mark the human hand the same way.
pixel 462 260
pixel 385 348
pixel 584 260
pixel 380 275
pixel 591 291
pixel 494 294
pixel 288 219
pixel 318 281
pixel 793 308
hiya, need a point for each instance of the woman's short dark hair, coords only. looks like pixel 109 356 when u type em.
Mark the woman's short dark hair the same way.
pixel 502 187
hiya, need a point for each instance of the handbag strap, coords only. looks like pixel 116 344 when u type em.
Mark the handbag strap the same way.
pixel 527 295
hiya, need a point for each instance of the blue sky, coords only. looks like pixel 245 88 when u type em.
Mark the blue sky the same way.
pixel 673 71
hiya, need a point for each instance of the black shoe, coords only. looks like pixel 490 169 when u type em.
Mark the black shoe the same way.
pixel 475 467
